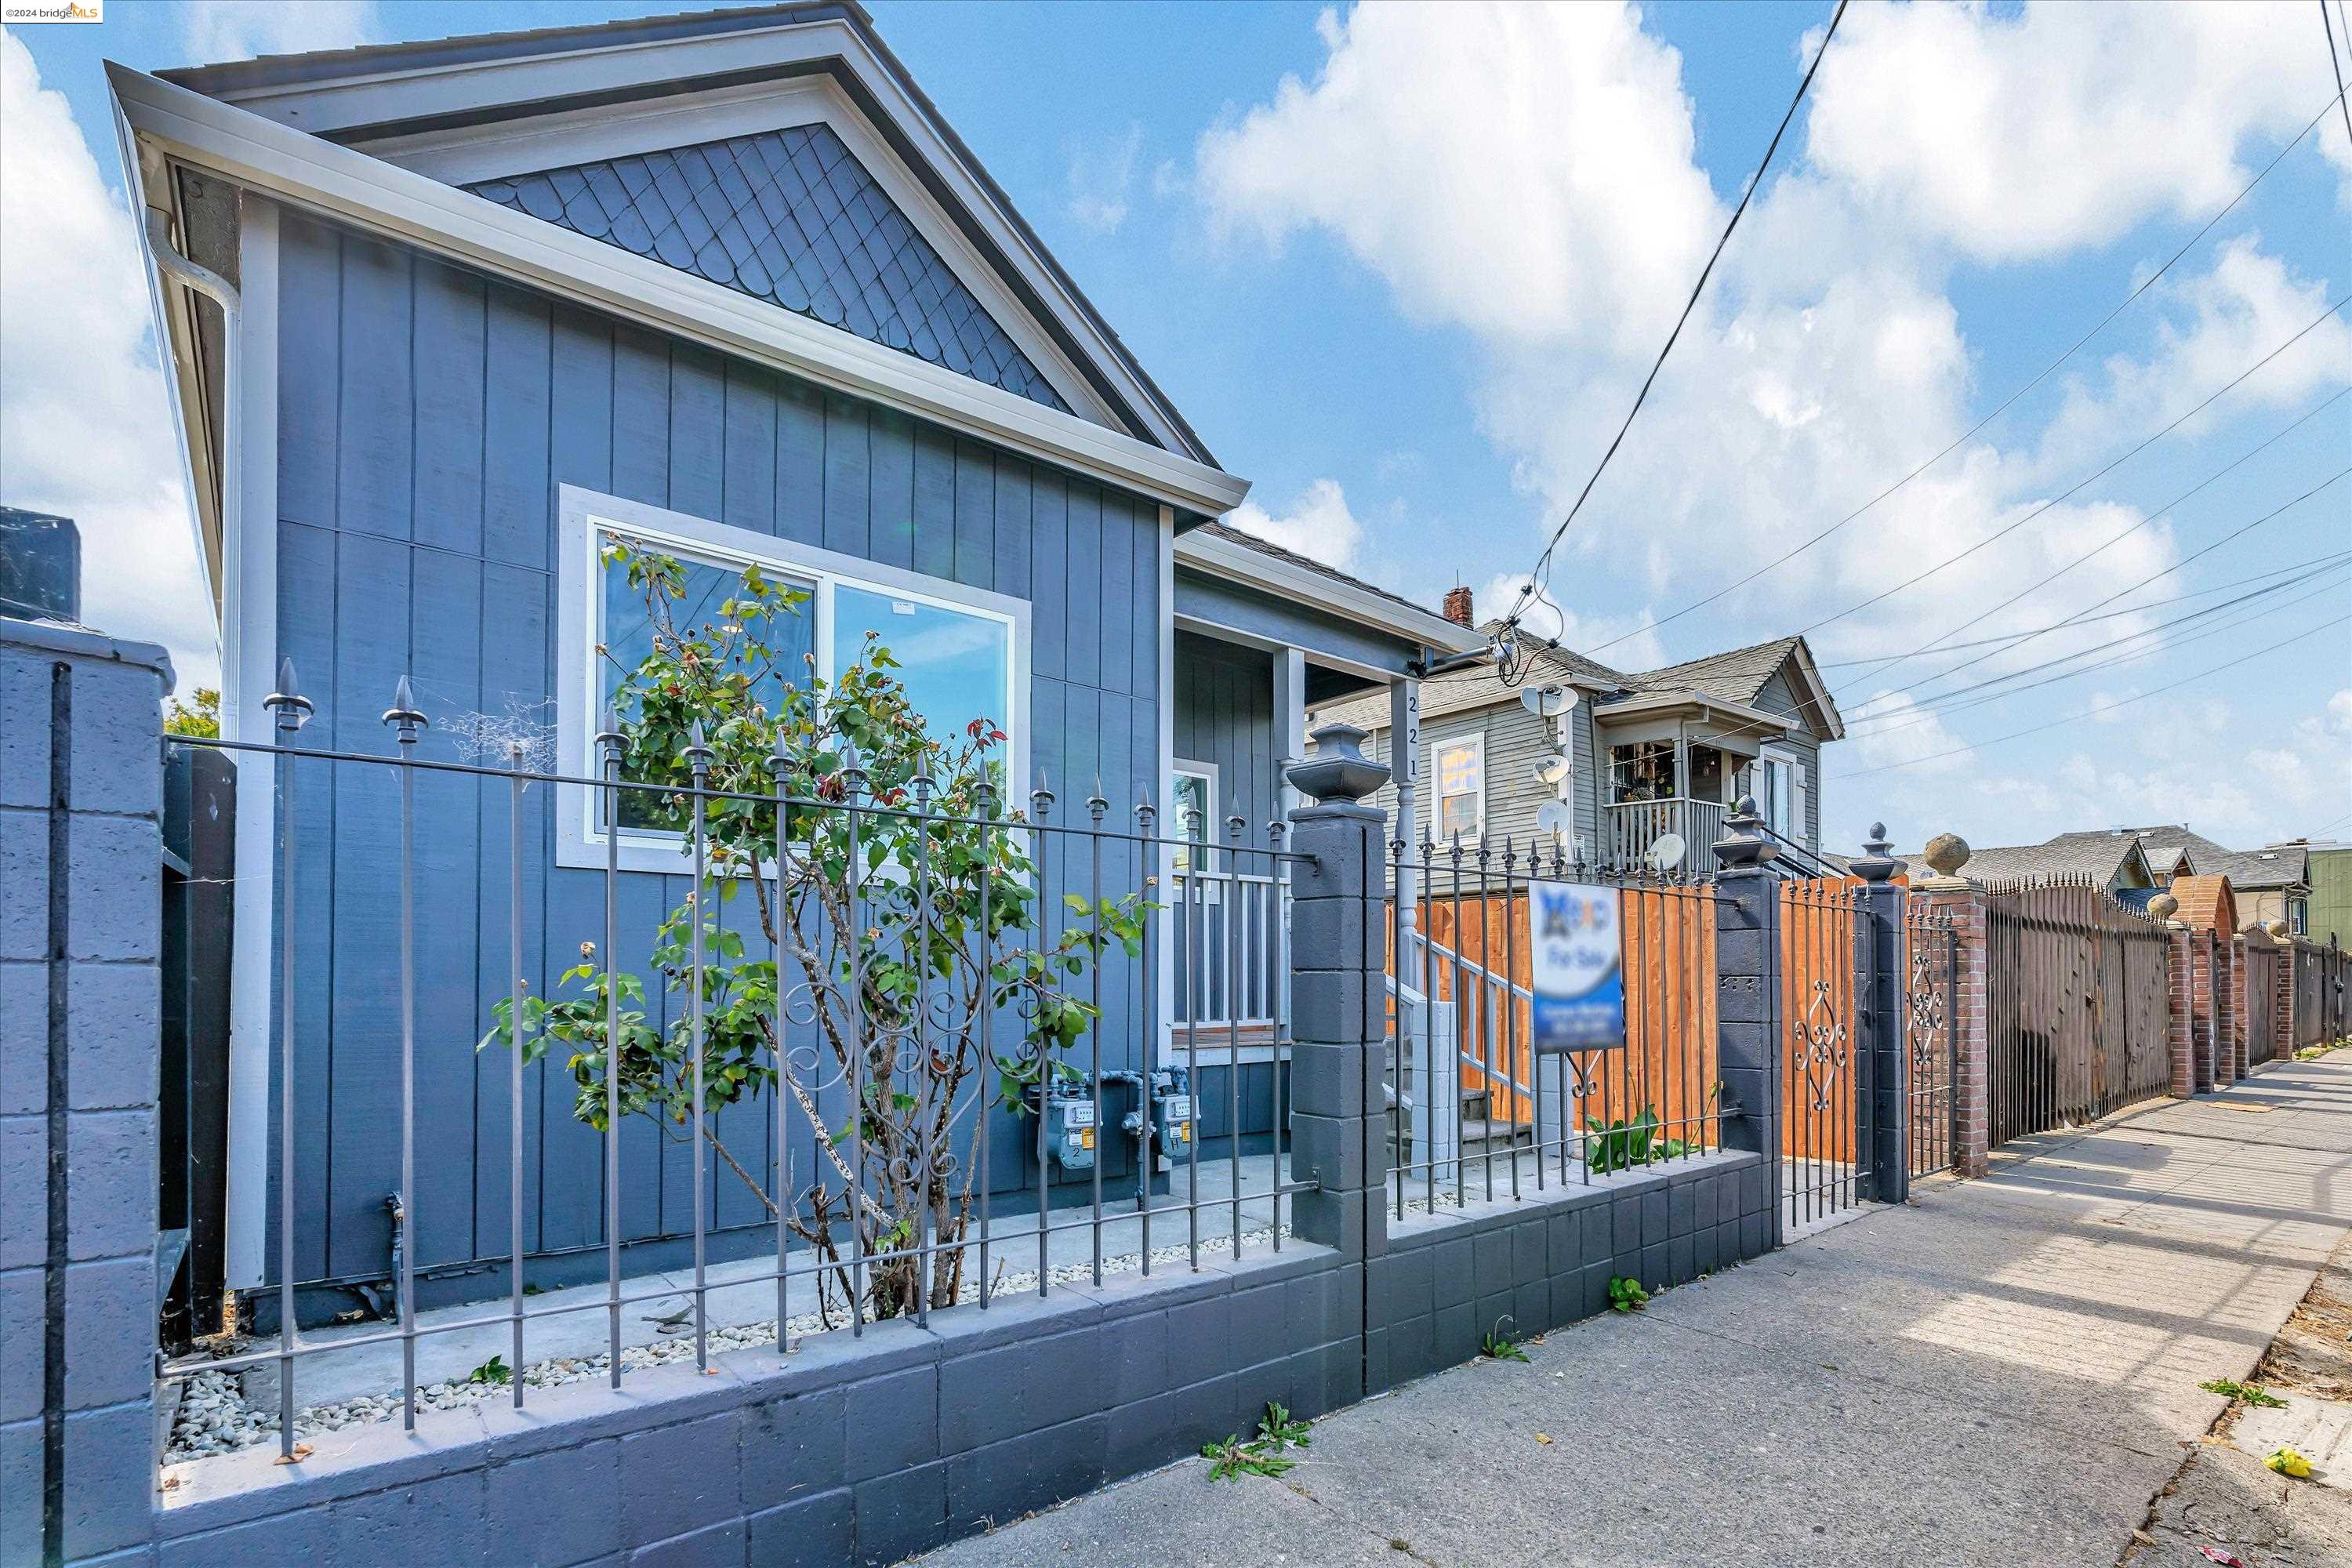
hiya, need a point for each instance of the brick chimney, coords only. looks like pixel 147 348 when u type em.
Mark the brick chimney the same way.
pixel 1458 607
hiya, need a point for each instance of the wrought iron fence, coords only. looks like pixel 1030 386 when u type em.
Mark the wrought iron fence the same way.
pixel 1931 1005
pixel 924 992
pixel 1825 1090
pixel 1475 1110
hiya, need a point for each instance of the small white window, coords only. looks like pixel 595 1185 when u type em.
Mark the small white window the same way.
pixel 1460 767
pixel 1777 794
pixel 2298 916
pixel 1192 812
pixel 963 653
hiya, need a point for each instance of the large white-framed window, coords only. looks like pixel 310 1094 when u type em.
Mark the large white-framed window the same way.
pixel 1459 766
pixel 964 652
pixel 1193 796
pixel 1780 788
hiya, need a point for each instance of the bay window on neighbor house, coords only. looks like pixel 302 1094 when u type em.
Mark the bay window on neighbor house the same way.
pixel 1460 767
pixel 961 652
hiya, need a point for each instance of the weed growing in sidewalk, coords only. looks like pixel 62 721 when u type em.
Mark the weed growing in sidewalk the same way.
pixel 2251 1392
pixel 1497 1345
pixel 1262 1455
pixel 493 1371
pixel 1626 1295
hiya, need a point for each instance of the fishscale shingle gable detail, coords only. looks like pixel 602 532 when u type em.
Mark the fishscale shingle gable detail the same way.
pixel 790 216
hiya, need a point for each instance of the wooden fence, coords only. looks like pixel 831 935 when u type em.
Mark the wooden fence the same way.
pixel 2321 975
pixel 2078 1008
pixel 1669 1063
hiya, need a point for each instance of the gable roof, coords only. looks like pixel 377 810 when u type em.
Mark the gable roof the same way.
pixel 1221 550
pixel 471 109
pixel 2100 856
pixel 790 216
pixel 2282 866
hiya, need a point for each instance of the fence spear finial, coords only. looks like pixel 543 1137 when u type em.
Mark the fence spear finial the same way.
pixel 402 714
pixel 292 709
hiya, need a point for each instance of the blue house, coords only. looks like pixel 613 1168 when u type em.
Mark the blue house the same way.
pixel 443 318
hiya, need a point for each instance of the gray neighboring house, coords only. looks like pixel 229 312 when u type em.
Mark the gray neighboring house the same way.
pixel 440 317
pixel 1639 753
pixel 2114 862
pixel 2133 864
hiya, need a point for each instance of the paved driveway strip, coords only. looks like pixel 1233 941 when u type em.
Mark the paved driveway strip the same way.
pixel 2002 1373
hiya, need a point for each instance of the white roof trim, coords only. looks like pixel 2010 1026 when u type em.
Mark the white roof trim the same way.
pixel 344 104
pixel 1253 568
pixel 1657 701
pixel 368 193
pixel 1802 656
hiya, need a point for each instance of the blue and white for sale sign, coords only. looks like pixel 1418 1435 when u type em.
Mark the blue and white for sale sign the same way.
pixel 1580 976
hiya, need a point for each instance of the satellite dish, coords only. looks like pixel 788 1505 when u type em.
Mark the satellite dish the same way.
pixel 1551 817
pixel 1551 770
pixel 1665 852
pixel 1546 701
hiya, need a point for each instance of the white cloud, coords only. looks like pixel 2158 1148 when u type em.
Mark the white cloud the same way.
pixel 1914 738
pixel 2036 132
pixel 84 427
pixel 217 30
pixel 1101 178
pixel 1318 524
pixel 1522 171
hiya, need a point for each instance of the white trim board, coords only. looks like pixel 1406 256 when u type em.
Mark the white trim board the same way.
pixel 792 47
pixel 382 198
pixel 1253 568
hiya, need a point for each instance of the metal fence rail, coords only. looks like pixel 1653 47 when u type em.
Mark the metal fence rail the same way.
pixel 918 990
pixel 1931 1005
pixel 1825 1070
pixel 1475 1112
pixel 2077 1007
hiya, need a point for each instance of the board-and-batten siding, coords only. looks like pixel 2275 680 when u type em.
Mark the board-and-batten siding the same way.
pixel 427 418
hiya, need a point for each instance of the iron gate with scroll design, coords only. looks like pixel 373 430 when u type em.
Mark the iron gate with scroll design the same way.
pixel 1931 978
pixel 1825 1089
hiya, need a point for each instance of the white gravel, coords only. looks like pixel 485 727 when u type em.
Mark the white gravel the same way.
pixel 214 1417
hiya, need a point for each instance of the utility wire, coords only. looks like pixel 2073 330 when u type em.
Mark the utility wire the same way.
pixel 2084 617
pixel 1540 577
pixel 1972 430
pixel 2006 530
pixel 2106 707
pixel 2115 654
pixel 2337 66
pixel 1932 644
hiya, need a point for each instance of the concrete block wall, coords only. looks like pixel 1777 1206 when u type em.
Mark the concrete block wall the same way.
pixel 1526 1266
pixel 845 1451
pixel 80 864
pixel 1749 1038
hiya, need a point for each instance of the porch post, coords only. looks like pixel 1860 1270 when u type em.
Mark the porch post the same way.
pixel 1880 967
pixel 1404 770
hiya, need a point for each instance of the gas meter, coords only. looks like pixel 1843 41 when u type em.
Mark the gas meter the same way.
pixel 1070 1125
pixel 1171 1114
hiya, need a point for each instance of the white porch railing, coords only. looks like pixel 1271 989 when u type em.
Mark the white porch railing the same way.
pixel 1231 937
pixel 1631 827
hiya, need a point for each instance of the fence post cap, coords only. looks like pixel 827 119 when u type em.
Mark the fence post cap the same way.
pixel 1742 849
pixel 1874 865
pixel 1339 773
pixel 2162 907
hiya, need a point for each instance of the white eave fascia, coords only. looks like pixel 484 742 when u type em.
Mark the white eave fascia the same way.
pixel 368 194
pixel 1255 569
pixel 346 103
pixel 1803 658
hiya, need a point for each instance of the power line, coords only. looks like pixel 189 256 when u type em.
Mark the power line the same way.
pixel 2116 654
pixel 1931 644
pixel 2084 617
pixel 1972 430
pixel 2337 66
pixel 2106 708
pixel 2011 528
pixel 1541 575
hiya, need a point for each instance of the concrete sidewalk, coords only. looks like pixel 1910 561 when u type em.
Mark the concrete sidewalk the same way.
pixel 2003 1372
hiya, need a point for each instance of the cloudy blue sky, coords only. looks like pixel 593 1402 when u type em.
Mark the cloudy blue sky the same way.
pixel 1404 266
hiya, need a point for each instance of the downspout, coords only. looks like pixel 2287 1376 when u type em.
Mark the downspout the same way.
pixel 221 292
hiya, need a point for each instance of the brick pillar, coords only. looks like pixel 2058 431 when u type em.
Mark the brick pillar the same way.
pixel 2179 990
pixel 1339 1114
pixel 80 798
pixel 1750 1039
pixel 1964 906
pixel 1880 967
pixel 2200 1006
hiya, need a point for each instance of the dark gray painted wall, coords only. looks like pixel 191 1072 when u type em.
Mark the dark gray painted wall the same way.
pixel 426 420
